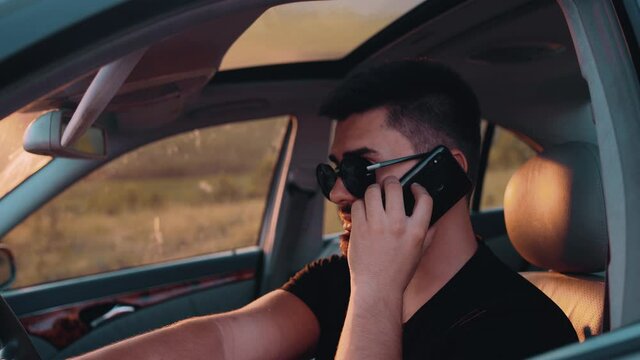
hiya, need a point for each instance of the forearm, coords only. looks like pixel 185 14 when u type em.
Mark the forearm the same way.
pixel 276 326
pixel 197 338
pixel 372 328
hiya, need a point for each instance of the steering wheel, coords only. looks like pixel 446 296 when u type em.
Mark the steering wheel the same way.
pixel 14 340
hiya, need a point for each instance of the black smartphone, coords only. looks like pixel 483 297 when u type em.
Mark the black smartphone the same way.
pixel 442 176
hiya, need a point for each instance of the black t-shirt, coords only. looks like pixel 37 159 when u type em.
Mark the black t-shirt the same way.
pixel 486 311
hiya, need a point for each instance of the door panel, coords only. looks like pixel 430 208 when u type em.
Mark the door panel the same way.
pixel 48 296
pixel 165 232
pixel 60 315
pixel 214 300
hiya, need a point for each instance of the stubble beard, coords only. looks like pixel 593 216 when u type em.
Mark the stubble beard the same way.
pixel 344 213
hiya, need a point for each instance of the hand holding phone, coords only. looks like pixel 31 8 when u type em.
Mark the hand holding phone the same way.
pixel 442 176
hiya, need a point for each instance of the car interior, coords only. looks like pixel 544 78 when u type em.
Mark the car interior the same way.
pixel 518 56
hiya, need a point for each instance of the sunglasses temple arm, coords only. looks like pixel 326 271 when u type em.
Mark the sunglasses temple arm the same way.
pixel 394 161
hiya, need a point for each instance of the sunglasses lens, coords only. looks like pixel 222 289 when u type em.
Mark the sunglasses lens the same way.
pixel 355 176
pixel 326 177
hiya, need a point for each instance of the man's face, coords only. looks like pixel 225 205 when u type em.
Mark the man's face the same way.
pixel 367 135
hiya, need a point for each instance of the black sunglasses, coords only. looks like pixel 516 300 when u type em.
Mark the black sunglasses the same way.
pixel 356 172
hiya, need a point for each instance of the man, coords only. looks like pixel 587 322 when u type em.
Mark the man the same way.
pixel 405 289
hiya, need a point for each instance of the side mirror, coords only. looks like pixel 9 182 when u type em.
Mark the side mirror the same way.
pixel 44 136
pixel 7 267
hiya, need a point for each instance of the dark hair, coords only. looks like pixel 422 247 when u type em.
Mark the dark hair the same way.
pixel 427 102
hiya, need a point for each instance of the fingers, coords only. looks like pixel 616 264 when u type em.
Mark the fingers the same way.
pixel 394 202
pixel 423 207
pixel 373 202
pixel 358 215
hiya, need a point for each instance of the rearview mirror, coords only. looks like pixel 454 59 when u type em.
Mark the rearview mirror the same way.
pixel 7 267
pixel 44 135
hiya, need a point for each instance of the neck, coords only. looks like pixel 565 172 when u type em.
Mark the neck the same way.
pixel 453 244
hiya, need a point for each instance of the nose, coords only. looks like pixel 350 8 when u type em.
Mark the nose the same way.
pixel 340 195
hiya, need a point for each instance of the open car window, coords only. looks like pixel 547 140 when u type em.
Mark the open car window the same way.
pixel 191 194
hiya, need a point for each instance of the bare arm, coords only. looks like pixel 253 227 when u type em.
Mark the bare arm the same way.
pixel 372 328
pixel 384 249
pixel 275 326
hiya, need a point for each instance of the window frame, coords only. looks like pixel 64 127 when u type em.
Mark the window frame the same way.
pixel 55 178
pixel 487 141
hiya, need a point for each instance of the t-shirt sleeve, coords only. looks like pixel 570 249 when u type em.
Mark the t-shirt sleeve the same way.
pixel 322 285
pixel 325 287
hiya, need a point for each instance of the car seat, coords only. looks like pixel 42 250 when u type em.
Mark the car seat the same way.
pixel 555 217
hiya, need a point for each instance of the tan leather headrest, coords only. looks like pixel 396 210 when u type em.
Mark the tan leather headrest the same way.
pixel 554 209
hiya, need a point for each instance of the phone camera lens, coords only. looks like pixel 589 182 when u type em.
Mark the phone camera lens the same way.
pixel 440 187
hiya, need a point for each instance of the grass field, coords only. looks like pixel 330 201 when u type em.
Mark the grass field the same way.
pixel 61 242
pixel 195 193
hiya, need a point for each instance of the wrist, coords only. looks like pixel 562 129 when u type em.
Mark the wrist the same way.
pixel 374 288
pixel 375 299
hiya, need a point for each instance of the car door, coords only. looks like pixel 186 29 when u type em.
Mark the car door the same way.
pixel 166 231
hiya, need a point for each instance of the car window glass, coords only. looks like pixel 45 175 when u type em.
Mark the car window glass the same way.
pixel 195 193
pixel 506 154
pixel 15 163
pixel 312 30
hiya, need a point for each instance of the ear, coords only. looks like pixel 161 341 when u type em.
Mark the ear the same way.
pixel 460 158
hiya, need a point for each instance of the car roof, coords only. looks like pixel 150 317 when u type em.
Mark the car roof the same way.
pixel 526 75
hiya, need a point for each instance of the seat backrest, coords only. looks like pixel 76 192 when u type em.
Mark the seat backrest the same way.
pixel 555 217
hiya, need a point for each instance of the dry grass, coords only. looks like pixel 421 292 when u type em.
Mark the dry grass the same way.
pixel 192 194
pixel 72 245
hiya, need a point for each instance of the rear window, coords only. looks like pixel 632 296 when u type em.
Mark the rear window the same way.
pixel 506 155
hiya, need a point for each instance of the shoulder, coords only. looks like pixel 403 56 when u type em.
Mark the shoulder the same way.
pixel 326 268
pixel 319 278
pixel 324 286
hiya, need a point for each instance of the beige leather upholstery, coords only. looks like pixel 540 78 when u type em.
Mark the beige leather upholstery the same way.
pixel 581 298
pixel 555 217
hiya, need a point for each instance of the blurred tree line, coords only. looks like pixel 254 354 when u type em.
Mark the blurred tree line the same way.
pixel 219 164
